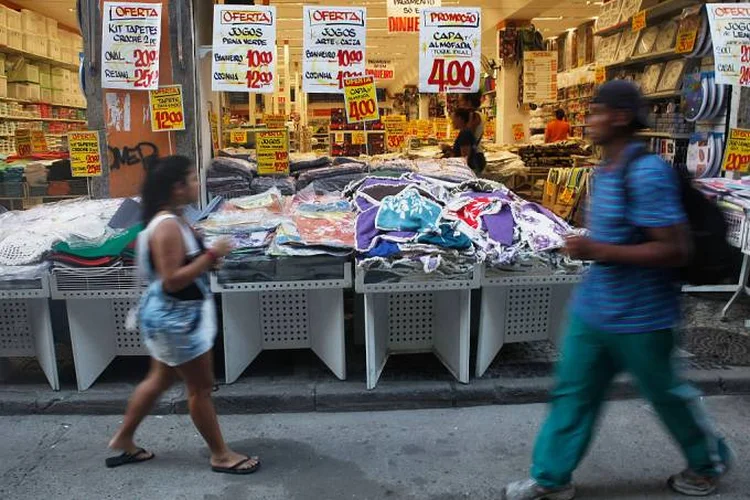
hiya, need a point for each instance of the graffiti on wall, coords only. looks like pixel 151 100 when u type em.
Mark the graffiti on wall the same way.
pixel 127 155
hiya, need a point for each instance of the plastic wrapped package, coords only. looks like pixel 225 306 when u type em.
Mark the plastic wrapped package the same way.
pixel 22 277
pixel 285 185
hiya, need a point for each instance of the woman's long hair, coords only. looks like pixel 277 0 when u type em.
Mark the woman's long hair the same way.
pixel 162 176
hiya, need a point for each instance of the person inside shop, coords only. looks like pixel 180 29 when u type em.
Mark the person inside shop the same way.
pixel 176 316
pixel 624 314
pixel 473 102
pixel 465 144
pixel 557 129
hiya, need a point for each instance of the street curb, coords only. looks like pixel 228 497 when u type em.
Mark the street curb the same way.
pixel 252 396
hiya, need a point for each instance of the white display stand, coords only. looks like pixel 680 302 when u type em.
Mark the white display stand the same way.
pixel 26 329
pixel 305 314
pixel 407 317
pixel 98 302
pixel 739 237
pixel 520 307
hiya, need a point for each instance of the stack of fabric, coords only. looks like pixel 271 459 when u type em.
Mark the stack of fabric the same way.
pixel 504 164
pixel 230 177
pixel 332 178
pixel 556 154
pixel 11 173
pixel 401 230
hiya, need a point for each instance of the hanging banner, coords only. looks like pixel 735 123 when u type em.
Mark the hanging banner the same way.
pixel 381 70
pixel 737 152
pixel 244 49
pixel 273 152
pixel 85 154
pixel 361 100
pixel 450 45
pixel 167 111
pixel 539 77
pixel 403 15
pixel 730 24
pixel 334 41
pixel 131 34
pixel 395 132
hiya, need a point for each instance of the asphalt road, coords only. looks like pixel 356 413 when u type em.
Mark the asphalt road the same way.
pixel 466 453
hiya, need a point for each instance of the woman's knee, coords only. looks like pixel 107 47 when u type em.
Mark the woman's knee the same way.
pixel 199 391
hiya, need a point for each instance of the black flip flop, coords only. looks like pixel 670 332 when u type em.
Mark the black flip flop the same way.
pixel 128 458
pixel 235 469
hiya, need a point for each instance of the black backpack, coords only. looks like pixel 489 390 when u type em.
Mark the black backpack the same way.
pixel 711 255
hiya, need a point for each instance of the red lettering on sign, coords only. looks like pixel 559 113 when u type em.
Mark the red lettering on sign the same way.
pixel 336 15
pixel 454 17
pixel 453 74
pixel 245 16
pixel 123 11
pixel 403 24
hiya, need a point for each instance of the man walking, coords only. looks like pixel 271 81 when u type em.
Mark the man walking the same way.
pixel 624 314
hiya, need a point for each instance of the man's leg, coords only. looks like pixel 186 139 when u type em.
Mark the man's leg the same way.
pixel 648 357
pixel 583 376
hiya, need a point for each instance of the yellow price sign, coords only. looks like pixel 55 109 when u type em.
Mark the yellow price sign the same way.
pixel 441 129
pixel 359 138
pixel 737 152
pixel 600 75
pixel 518 132
pixel 567 196
pixel 686 37
pixel 274 122
pixel 424 129
pixel 395 132
pixel 361 99
pixel 338 138
pixel 238 136
pixel 167 110
pixel 85 153
pixel 639 21
pixel 272 147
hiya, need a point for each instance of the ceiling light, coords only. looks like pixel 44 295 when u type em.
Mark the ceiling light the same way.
pixel 547 18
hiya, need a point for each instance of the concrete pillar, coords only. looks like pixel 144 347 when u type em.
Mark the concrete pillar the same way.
pixel 424 107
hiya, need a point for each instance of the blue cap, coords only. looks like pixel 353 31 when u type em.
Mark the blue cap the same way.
pixel 624 95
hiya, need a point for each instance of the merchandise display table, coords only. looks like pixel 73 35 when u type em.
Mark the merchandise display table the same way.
pixel 291 314
pixel 98 302
pixel 520 306
pixel 25 326
pixel 416 315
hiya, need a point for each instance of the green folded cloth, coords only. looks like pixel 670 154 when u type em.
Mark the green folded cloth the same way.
pixel 113 247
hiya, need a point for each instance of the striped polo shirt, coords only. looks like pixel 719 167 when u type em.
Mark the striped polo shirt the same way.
pixel 621 298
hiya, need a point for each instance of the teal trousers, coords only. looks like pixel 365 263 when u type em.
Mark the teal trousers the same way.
pixel 590 361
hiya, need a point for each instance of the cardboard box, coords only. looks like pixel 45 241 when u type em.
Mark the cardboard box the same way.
pixel 3 16
pixel 59 83
pixel 2 64
pixel 3 86
pixel 35 91
pixel 45 80
pixel 13 19
pixel 15 39
pixel 58 96
pixel 18 91
pixel 51 25
pixel 3 35
pixel 53 51
pixel 21 70
pixel 46 94
pixel 32 22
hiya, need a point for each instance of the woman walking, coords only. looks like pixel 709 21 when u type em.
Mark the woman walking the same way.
pixel 177 316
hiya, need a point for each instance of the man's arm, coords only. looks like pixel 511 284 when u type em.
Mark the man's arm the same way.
pixel 666 247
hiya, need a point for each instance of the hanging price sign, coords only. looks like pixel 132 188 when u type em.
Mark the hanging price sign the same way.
pixel 361 99
pixel 729 28
pixel 273 152
pixel 274 121
pixel 450 44
pixel 600 75
pixel 395 132
pixel 737 152
pixel 639 21
pixel 518 132
pixel 29 142
pixel 167 112
pixel 338 138
pixel 441 128
pixel 238 136
pixel 244 49
pixel 334 40
pixel 131 35
pixel 687 33
pixel 85 154
pixel 424 129
pixel 359 138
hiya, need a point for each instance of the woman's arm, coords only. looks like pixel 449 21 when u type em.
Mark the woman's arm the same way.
pixel 168 251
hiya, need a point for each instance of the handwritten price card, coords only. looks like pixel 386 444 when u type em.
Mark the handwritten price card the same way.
pixel 85 154
pixel 167 112
pixel 737 153
pixel 244 49
pixel 395 132
pixel 519 133
pixel 730 25
pixel 334 40
pixel 273 152
pixel 360 99
pixel 275 121
pixel 441 128
pixel 450 49
pixel 131 34
pixel 639 21
pixel 403 15
pixel 29 142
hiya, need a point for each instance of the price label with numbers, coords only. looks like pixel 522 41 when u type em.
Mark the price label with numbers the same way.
pixel 244 49
pixel 238 136
pixel 441 128
pixel 131 35
pixel 334 41
pixel 639 21
pixel 361 99
pixel 273 152
pixel 395 132
pixel 729 33
pixel 274 122
pixel 450 45
pixel 359 138
pixel 29 142
pixel 737 152
pixel 519 133
pixel 167 110
pixel 85 153
pixel 600 75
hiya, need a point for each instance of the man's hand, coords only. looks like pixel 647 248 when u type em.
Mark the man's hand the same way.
pixel 582 248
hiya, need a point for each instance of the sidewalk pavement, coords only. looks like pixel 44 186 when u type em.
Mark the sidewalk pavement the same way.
pixel 714 355
pixel 444 454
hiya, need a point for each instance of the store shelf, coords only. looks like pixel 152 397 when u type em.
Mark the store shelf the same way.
pixel 354 131
pixel 24 101
pixel 664 95
pixel 663 135
pixel 490 92
pixel 647 59
pixel 35 57
pixel 38 119
pixel 654 14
